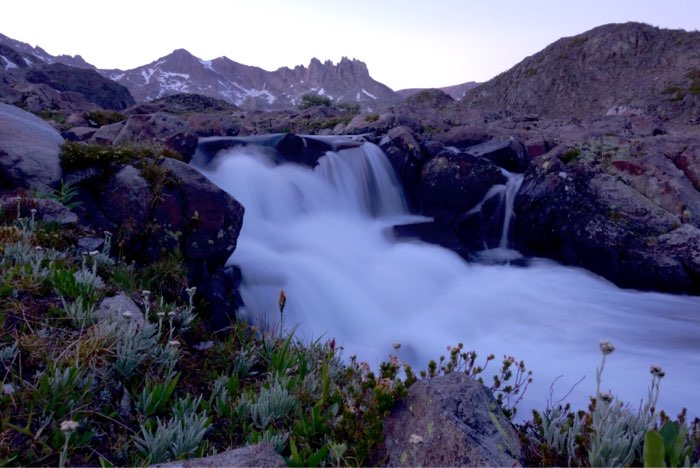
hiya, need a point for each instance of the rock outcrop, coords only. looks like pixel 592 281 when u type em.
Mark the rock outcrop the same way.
pixel 148 129
pixel 626 211
pixel 449 421
pixel 29 151
pixel 156 208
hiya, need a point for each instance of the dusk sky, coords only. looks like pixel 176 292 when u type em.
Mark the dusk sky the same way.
pixel 405 43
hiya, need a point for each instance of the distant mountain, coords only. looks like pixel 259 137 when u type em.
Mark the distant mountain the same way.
pixel 221 78
pixel 629 68
pixel 252 87
pixel 35 55
pixel 40 82
pixel 456 91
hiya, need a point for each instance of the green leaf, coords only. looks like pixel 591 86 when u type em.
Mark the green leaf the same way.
pixel 653 449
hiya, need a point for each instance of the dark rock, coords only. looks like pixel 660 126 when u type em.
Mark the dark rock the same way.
pixel 127 199
pixel 215 124
pixel 208 217
pixel 451 184
pixel 46 210
pixel 449 421
pixel 284 147
pixel 432 233
pixel 29 151
pixel 90 84
pixel 405 155
pixel 262 454
pixel 628 214
pixel 464 136
pixel 167 130
pixel 183 104
pixel 79 133
pixel 174 208
pixel 508 154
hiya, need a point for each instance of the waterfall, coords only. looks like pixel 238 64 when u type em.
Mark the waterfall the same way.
pixel 323 235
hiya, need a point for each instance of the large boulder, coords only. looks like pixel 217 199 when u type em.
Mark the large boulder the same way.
pixel 157 207
pixel 449 421
pixel 509 154
pixel 452 183
pixel 404 152
pixel 624 211
pixel 29 151
pixel 159 128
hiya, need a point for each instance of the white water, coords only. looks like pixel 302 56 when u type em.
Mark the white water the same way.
pixel 312 234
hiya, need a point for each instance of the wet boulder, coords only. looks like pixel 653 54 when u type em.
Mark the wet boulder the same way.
pixel 628 213
pixel 452 183
pixel 509 154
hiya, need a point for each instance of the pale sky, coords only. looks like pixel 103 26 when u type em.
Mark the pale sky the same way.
pixel 405 43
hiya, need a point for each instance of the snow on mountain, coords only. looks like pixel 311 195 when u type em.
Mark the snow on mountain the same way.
pixel 252 87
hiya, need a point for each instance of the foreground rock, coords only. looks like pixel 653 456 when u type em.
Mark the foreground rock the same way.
pixel 449 421
pixel 628 211
pixel 29 151
pixel 157 209
pixel 262 454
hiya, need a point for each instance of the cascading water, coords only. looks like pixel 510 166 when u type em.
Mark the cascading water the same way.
pixel 322 235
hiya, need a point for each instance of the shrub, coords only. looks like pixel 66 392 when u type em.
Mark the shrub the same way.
pixel 100 117
pixel 75 155
pixel 311 100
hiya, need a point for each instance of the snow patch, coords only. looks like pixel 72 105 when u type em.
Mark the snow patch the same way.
pixel 207 64
pixel 8 64
pixel 171 81
pixel 369 94
pixel 321 92
pixel 116 76
pixel 147 74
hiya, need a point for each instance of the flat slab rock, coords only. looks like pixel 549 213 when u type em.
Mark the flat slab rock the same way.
pixel 449 421
pixel 262 454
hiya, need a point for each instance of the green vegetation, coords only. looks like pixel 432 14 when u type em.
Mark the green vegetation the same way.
pixel 100 117
pixel 76 155
pixel 312 100
pixel 611 432
pixel 570 155
pixel 676 93
pixel 85 386
pixel 694 75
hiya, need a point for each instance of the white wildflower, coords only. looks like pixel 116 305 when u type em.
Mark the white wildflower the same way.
pixel 69 426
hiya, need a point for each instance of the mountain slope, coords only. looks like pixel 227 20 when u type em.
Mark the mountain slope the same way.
pixel 38 81
pixel 617 68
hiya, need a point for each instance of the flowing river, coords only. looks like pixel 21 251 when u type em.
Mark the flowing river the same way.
pixel 324 236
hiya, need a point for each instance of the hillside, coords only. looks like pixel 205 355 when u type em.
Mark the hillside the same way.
pixel 626 68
